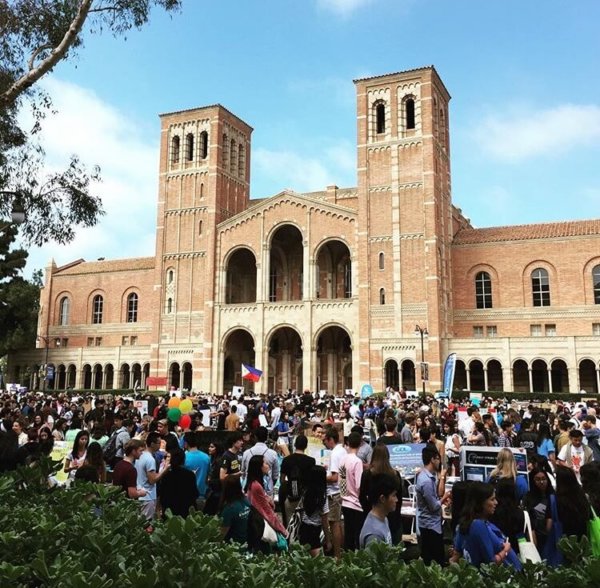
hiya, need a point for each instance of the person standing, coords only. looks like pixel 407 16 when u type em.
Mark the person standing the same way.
pixel 125 474
pixel 331 440
pixel 383 496
pixel 574 454
pixel 231 462
pixel 232 421
pixel 270 455
pixel 294 472
pixel 429 507
pixel 147 476
pixel 197 462
pixel 351 469
pixel 177 490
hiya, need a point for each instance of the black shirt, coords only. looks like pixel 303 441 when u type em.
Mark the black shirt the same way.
pixel 231 463
pixel 178 491
pixel 295 467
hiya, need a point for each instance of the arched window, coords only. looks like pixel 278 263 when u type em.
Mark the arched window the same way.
pixel 203 145
pixel 132 308
pixel 189 147
pixel 97 309
pixel 348 279
pixel 170 275
pixel 225 151
pixel 199 227
pixel 381 295
pixel 169 305
pixel 483 290
pixel 64 308
pixel 381 261
pixel 380 117
pixel 175 146
pixel 233 157
pixel 241 162
pixel 201 189
pixel 540 287
pixel 596 284
pixel 409 108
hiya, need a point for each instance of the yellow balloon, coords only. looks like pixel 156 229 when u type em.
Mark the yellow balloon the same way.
pixel 186 406
pixel 174 402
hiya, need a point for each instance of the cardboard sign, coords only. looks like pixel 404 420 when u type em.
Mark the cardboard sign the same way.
pixel 141 406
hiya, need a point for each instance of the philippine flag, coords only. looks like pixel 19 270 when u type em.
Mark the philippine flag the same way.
pixel 250 373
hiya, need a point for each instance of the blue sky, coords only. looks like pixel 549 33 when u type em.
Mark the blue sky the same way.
pixel 524 117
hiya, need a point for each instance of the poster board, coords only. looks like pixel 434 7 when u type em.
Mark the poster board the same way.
pixel 406 457
pixel 475 398
pixel 412 394
pixel 237 391
pixel 205 413
pixel 477 463
pixel 60 450
pixel 141 406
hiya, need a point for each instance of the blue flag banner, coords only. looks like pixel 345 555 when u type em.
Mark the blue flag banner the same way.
pixel 449 369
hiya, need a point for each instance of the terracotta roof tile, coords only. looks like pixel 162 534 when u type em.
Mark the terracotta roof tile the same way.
pixel 111 265
pixel 528 232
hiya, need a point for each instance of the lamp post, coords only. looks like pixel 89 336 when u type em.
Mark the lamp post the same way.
pixel 422 332
pixel 17 215
pixel 46 341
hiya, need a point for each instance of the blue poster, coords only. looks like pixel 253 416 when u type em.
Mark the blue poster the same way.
pixel 406 457
pixel 366 391
pixel 449 369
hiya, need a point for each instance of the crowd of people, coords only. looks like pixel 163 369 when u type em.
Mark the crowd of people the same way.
pixel 264 476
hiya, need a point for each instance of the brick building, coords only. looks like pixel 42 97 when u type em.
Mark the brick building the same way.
pixel 324 289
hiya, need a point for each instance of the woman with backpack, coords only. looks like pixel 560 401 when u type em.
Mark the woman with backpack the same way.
pixel 315 508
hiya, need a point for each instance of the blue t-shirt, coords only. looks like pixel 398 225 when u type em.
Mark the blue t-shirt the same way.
pixel 545 448
pixel 146 463
pixel 235 518
pixel 198 462
pixel 481 544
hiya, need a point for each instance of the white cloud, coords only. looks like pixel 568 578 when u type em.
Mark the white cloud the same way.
pixel 343 7
pixel 514 136
pixel 288 169
pixel 100 134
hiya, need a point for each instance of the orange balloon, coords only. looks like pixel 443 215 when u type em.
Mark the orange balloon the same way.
pixel 174 402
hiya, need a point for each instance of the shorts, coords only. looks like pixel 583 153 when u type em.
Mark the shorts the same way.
pixel 335 508
pixel 310 535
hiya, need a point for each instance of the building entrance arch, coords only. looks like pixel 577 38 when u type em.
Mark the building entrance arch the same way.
pixel 334 355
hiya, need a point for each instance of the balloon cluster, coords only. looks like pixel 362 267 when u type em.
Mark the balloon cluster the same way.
pixel 179 411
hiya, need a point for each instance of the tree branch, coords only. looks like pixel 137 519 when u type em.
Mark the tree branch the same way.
pixel 31 61
pixel 8 98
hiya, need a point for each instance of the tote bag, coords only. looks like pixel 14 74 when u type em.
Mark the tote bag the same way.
pixel 527 549
pixel 594 533
pixel 551 552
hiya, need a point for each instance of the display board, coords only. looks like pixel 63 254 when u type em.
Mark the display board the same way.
pixel 477 463
pixel 406 457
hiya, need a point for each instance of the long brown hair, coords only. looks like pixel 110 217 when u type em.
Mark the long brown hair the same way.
pixel 380 461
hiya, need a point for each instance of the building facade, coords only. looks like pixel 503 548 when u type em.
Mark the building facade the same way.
pixel 325 290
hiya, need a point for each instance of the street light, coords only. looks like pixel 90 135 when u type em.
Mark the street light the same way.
pixel 46 341
pixel 17 214
pixel 422 332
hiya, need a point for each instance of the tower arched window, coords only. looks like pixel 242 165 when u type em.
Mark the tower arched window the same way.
pixel 409 109
pixel 540 287
pixel 381 260
pixel 169 305
pixel 596 284
pixel 132 308
pixel 201 189
pixel 233 157
pixel 380 117
pixel 175 148
pixel 381 296
pixel 170 276
pixel 225 151
pixel 347 279
pixel 483 290
pixel 97 309
pixel 203 145
pixel 189 147
pixel 241 160
pixel 199 227
pixel 64 308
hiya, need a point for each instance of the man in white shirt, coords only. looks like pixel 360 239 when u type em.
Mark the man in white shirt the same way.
pixel 331 440
pixel 276 415
pixel 467 425
pixel 242 409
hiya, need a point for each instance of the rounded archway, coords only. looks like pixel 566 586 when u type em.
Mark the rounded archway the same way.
pixel 560 376
pixel 334 355
pixel 392 374
pixel 588 378
pixel 409 377
pixel 87 377
pixel 476 376
pixel 136 376
pixel 61 377
pixel 460 376
pixel 286 272
pixel 109 376
pixel 520 376
pixel 125 376
pixel 494 376
pixel 187 376
pixel 285 360
pixel 238 348
pixel 71 376
pixel 240 284
pixel 334 271
pixel 97 377
pixel 539 375
pixel 174 376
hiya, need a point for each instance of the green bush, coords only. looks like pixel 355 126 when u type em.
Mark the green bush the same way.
pixel 91 536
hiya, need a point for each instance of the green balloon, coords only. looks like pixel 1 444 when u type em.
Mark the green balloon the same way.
pixel 174 415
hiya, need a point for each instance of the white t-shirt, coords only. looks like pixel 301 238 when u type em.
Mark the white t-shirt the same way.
pixel 577 455
pixel 334 467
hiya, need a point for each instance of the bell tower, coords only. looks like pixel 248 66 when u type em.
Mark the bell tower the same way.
pixel 405 213
pixel 204 179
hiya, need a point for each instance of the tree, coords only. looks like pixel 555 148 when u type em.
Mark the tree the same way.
pixel 35 35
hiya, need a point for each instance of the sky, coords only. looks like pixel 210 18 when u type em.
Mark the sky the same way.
pixel 524 115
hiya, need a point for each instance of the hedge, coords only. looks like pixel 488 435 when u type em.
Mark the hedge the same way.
pixel 91 536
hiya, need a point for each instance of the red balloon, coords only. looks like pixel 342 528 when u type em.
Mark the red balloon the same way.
pixel 185 421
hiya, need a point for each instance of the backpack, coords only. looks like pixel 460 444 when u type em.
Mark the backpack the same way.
pixel 294 484
pixel 110 449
